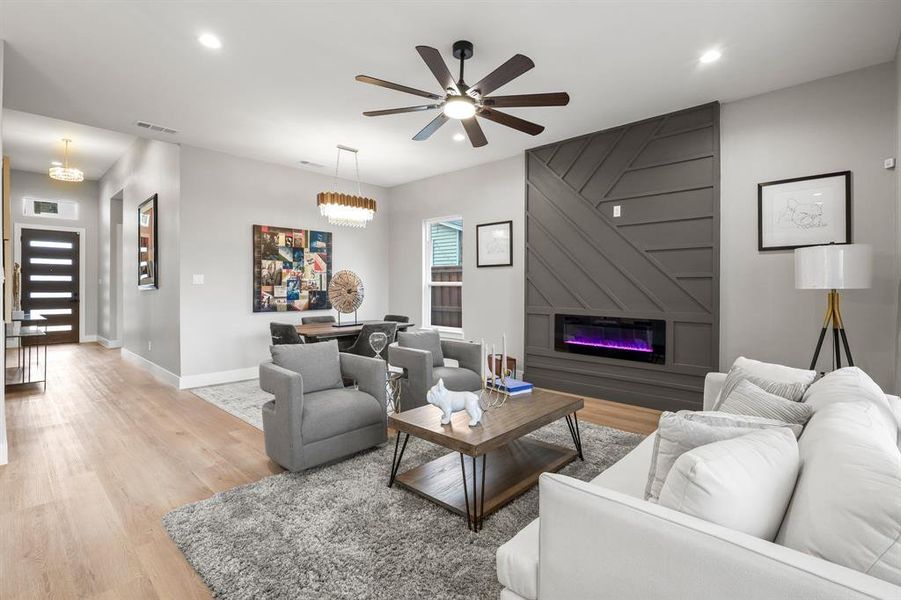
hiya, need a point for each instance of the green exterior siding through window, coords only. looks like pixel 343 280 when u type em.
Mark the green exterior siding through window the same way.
pixel 447 244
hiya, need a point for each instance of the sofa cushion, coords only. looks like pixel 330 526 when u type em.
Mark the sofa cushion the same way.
pixel 847 503
pixel 328 413
pixel 457 379
pixel 629 475
pixel 517 562
pixel 748 399
pixel 318 364
pixel 423 339
pixel 744 483
pixel 790 386
pixel 718 418
pixel 676 436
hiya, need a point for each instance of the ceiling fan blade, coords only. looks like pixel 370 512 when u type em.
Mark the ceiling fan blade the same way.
pixel 502 75
pixel 397 111
pixel 511 121
pixel 552 99
pixel 438 67
pixel 397 86
pixel 474 132
pixel 431 128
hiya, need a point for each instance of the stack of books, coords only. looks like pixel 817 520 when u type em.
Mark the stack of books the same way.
pixel 513 387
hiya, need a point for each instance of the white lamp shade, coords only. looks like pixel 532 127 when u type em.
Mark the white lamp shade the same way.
pixel 834 267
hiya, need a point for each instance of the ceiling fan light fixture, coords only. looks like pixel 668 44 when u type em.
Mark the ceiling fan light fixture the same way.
pixel 459 107
pixel 65 172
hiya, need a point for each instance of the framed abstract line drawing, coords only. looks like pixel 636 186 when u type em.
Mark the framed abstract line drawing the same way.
pixel 148 248
pixel 494 244
pixel 804 211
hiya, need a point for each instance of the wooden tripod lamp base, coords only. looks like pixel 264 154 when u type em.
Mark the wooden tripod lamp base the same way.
pixel 833 319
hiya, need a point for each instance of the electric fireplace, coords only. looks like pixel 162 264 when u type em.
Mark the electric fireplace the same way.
pixel 641 340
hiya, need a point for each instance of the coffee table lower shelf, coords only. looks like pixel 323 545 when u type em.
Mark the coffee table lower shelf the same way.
pixel 508 472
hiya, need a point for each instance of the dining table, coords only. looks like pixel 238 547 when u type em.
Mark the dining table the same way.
pixel 317 332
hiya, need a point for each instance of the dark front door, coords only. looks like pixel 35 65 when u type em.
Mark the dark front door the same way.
pixel 50 281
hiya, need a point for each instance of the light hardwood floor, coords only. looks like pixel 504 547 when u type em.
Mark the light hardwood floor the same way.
pixel 97 460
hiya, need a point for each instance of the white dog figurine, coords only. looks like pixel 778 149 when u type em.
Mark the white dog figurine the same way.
pixel 450 402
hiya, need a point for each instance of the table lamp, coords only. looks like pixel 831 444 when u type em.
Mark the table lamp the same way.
pixel 834 267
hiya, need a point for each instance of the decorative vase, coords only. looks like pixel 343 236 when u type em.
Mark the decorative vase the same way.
pixel 378 341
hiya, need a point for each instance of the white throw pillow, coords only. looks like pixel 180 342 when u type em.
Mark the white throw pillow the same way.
pixel 775 372
pixel 847 503
pixel 722 419
pixel 677 435
pixel 744 483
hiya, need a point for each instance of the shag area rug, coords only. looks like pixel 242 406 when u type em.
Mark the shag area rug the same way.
pixel 339 532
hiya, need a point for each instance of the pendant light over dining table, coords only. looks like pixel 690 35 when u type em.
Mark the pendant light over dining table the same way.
pixel 346 209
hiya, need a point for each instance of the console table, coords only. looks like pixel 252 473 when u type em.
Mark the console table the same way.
pixel 30 367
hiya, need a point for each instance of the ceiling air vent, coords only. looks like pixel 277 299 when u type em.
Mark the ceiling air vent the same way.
pixel 155 127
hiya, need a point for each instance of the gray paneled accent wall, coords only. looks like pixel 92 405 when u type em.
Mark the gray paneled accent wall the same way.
pixel 658 260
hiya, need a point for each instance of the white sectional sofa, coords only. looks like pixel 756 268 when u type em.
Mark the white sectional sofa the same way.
pixel 601 539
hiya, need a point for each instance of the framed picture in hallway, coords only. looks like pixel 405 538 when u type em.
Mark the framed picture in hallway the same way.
pixel 494 244
pixel 804 211
pixel 148 259
pixel 291 269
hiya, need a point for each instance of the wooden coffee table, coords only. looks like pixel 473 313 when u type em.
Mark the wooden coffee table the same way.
pixel 477 490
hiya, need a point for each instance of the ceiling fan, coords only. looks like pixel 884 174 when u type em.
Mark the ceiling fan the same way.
pixel 466 102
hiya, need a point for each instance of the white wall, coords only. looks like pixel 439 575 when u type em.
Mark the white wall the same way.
pixel 4 457
pixel 222 198
pixel 897 156
pixel 24 184
pixel 492 297
pixel 834 124
pixel 151 317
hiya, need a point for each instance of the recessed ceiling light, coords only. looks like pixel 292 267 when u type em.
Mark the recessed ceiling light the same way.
pixel 209 40
pixel 56 163
pixel 459 137
pixel 710 56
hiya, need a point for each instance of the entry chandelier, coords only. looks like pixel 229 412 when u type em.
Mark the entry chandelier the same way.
pixel 346 209
pixel 65 172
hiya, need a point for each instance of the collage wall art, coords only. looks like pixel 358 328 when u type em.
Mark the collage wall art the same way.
pixel 291 269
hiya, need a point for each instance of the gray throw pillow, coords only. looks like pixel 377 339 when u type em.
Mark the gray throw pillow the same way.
pixel 423 339
pixel 723 419
pixel 749 399
pixel 789 391
pixel 319 364
pixel 675 436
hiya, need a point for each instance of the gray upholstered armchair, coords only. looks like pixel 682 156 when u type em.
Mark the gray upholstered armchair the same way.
pixel 421 354
pixel 314 419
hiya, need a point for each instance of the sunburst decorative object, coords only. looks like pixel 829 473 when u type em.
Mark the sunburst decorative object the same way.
pixel 65 172
pixel 345 292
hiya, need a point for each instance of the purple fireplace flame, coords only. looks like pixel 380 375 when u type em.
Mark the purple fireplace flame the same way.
pixel 633 345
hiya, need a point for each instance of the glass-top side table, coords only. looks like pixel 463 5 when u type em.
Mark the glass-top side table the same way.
pixel 29 369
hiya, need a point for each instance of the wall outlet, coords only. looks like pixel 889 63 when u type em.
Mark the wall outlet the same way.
pixel 149 345
pixel 617 211
pixel 198 279
pixel 889 163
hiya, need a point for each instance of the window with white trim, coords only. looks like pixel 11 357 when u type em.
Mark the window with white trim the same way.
pixel 443 274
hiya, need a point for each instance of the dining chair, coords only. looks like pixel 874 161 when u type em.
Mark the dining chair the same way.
pixel 397 318
pixel 362 347
pixel 308 320
pixel 284 333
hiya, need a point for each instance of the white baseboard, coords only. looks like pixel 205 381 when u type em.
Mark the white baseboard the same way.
pixel 187 382
pixel 157 371
pixel 83 339
pixel 109 343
